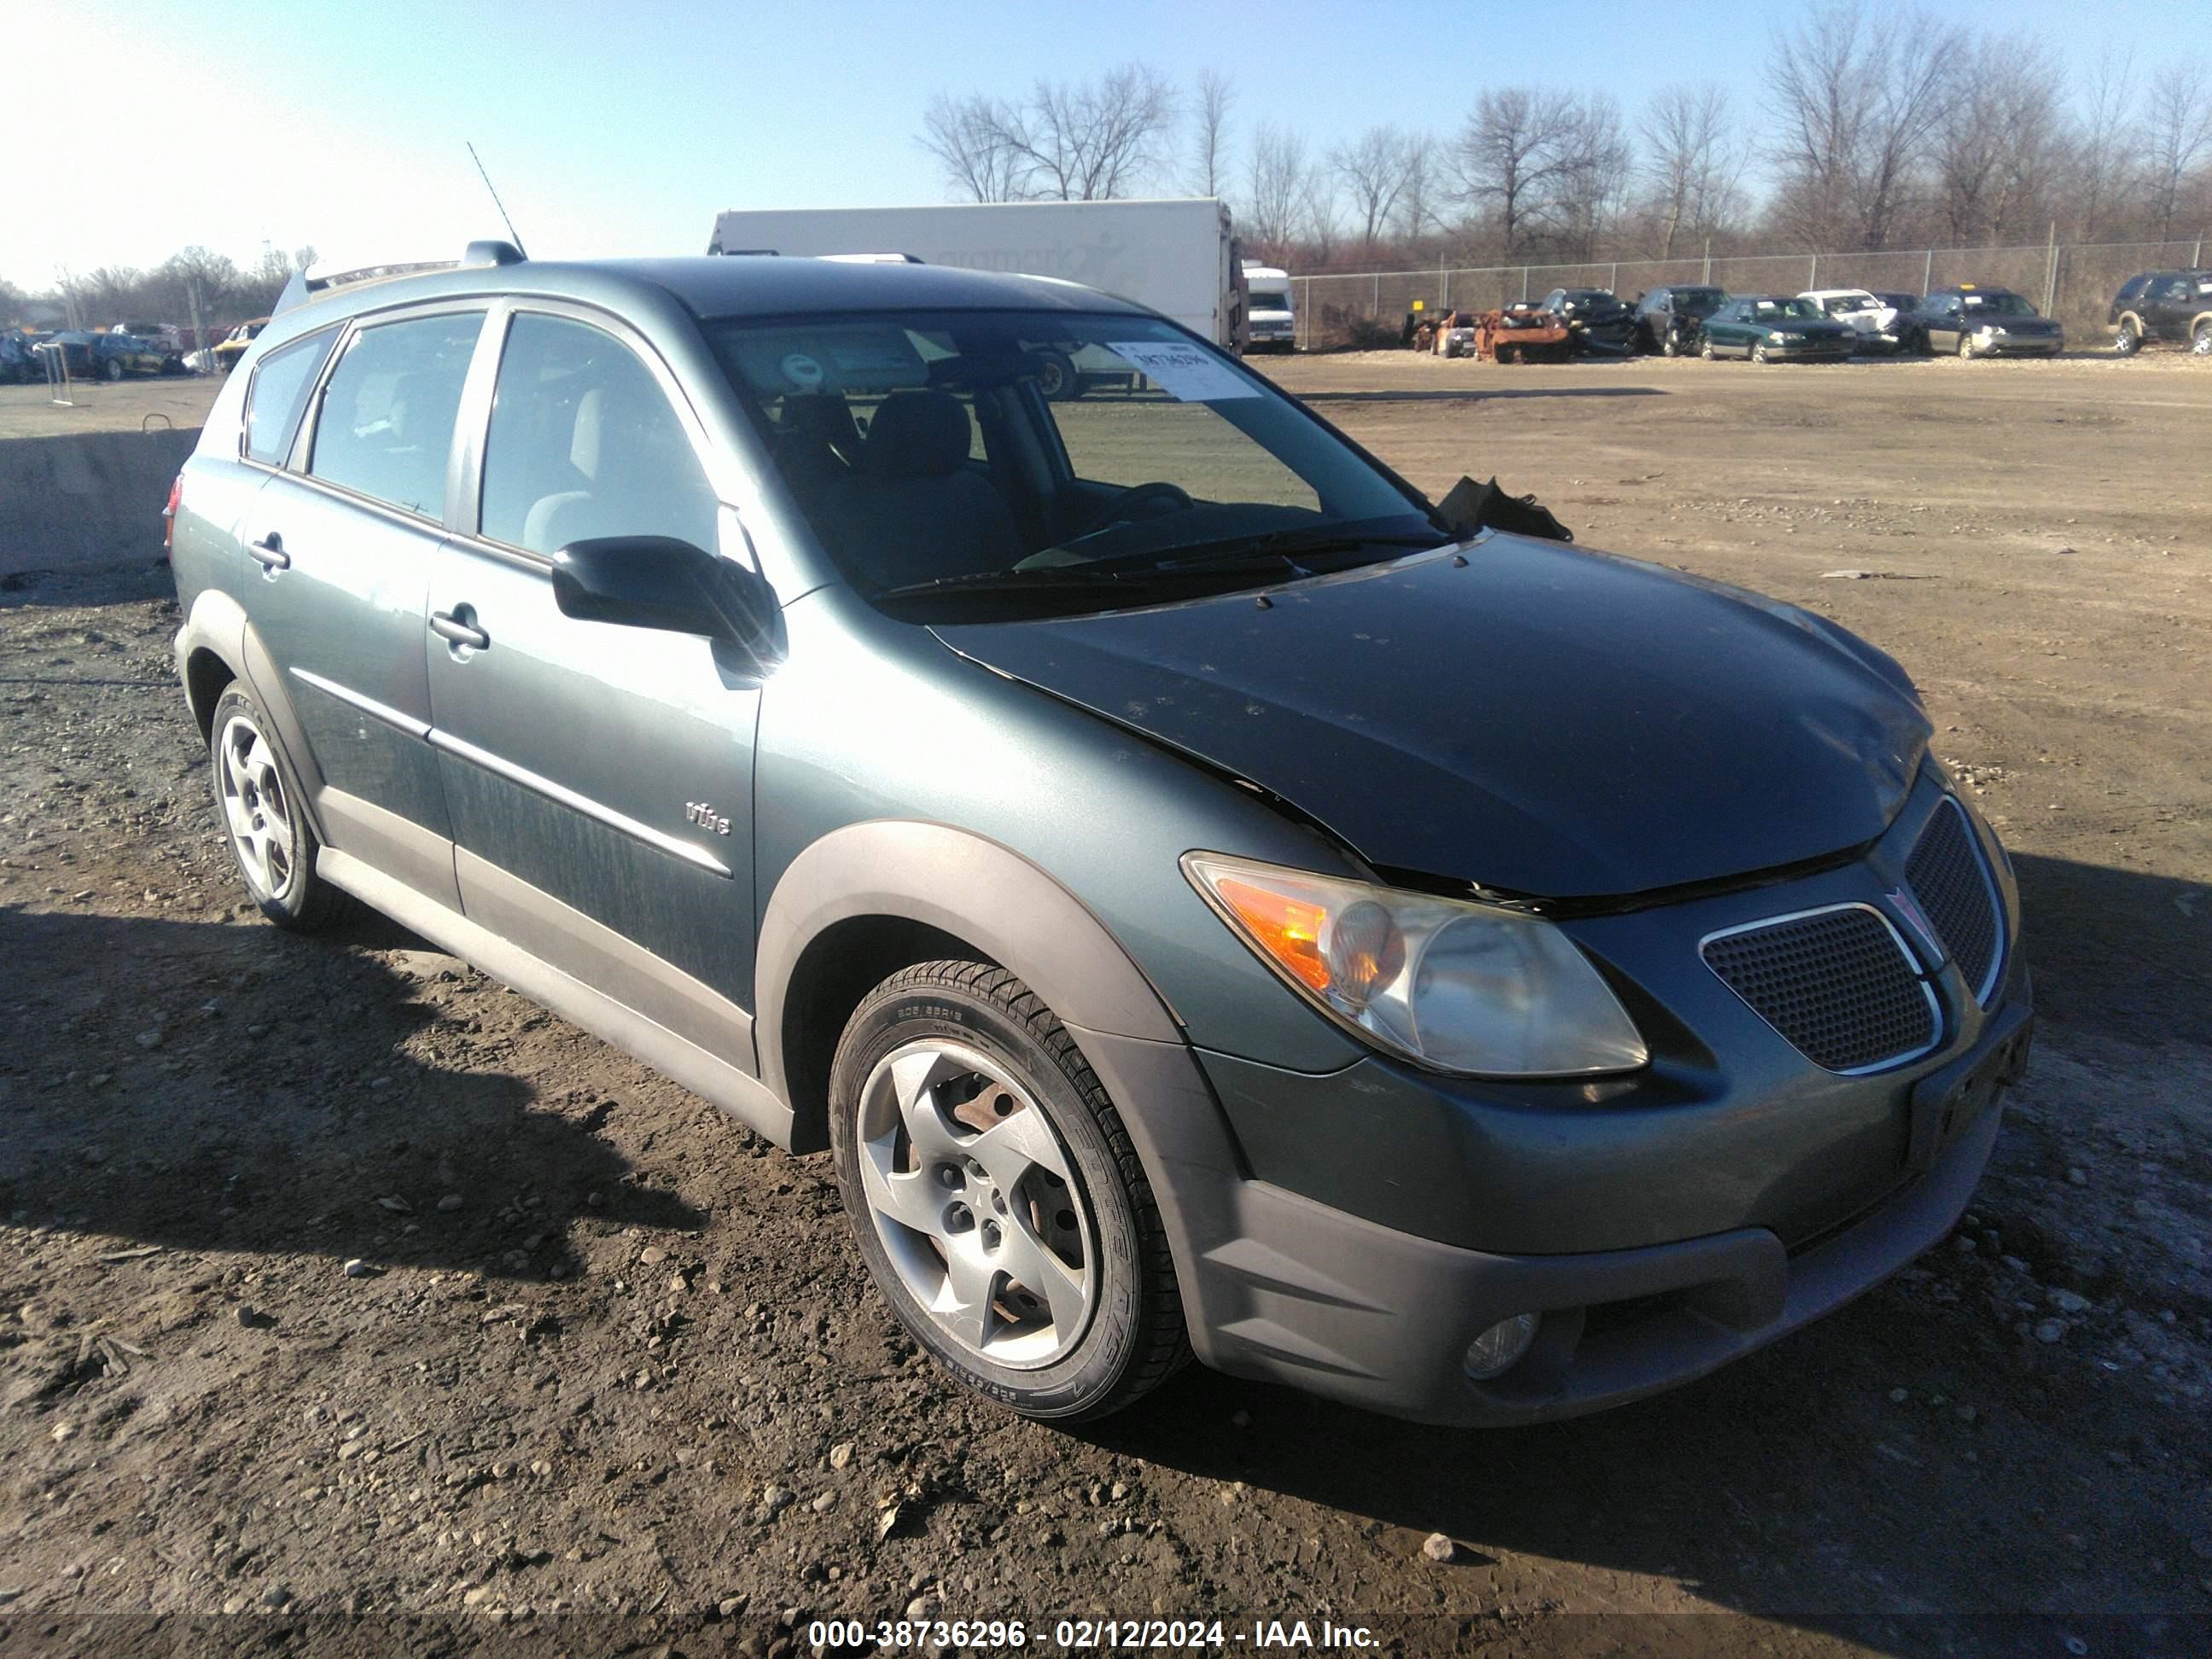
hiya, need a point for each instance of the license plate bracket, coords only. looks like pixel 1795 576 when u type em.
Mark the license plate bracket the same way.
pixel 1945 1104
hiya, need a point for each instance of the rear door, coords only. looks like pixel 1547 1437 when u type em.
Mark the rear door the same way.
pixel 342 540
pixel 599 775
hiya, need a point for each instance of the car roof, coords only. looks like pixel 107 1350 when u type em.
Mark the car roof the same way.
pixel 725 286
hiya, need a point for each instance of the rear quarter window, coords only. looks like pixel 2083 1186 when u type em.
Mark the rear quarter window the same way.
pixel 278 395
pixel 387 419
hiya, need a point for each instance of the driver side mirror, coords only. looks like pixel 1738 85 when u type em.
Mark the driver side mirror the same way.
pixel 658 581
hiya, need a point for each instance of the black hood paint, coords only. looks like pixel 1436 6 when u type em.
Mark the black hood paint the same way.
pixel 1542 720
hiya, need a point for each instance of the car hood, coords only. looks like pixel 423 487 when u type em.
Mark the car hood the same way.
pixel 1540 719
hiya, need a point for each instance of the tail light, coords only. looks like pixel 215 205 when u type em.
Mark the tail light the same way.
pixel 169 516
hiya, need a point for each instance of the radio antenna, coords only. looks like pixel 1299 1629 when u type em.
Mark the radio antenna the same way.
pixel 495 202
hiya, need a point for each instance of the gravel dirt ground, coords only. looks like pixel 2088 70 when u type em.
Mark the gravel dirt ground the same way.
pixel 608 1376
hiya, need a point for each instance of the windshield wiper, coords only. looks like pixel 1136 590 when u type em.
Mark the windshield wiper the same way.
pixel 1068 579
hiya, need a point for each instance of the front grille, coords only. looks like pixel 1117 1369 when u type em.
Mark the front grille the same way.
pixel 1838 983
pixel 1947 876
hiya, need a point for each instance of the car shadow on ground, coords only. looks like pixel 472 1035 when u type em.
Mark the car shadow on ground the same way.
pixel 206 1085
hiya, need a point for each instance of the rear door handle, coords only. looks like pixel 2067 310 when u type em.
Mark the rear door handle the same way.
pixel 446 625
pixel 271 551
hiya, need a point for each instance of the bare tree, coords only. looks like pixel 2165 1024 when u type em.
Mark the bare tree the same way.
pixel 1278 191
pixel 1694 163
pixel 1417 201
pixel 2176 137
pixel 2103 164
pixel 1592 176
pixel 1997 145
pixel 1209 144
pixel 1374 170
pixel 1069 142
pixel 1857 105
pixel 971 139
pixel 1509 157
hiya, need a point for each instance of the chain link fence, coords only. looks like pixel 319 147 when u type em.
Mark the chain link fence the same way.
pixel 2074 283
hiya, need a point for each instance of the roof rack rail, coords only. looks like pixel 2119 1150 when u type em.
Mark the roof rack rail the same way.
pixel 319 279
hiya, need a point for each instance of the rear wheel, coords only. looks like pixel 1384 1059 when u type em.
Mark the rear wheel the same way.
pixel 2128 340
pixel 270 835
pixel 115 368
pixel 996 1197
pixel 1056 376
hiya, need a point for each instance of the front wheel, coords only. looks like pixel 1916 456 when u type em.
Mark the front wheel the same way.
pixel 2200 343
pixel 115 368
pixel 2128 340
pixel 1965 348
pixel 269 835
pixel 1759 351
pixel 996 1197
pixel 1057 377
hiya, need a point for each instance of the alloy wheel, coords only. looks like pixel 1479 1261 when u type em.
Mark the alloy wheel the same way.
pixel 977 1203
pixel 257 807
pixel 2200 343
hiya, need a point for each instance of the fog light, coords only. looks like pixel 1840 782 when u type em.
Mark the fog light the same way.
pixel 1498 1349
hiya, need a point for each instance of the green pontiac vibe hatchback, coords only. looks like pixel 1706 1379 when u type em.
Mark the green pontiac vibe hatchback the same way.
pixel 1206 900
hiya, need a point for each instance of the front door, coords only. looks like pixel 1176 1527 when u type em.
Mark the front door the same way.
pixel 342 541
pixel 600 776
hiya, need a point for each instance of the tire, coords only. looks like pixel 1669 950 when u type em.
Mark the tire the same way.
pixel 1056 376
pixel 2200 342
pixel 257 798
pixel 1965 348
pixel 2128 340
pixel 1063 1199
pixel 1706 351
pixel 1670 344
pixel 1759 351
pixel 115 368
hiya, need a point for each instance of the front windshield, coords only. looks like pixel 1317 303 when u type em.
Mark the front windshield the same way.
pixel 1775 310
pixel 1999 304
pixel 1843 305
pixel 1698 301
pixel 1270 299
pixel 1025 450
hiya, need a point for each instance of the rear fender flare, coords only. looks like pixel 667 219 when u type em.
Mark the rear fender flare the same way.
pixel 218 625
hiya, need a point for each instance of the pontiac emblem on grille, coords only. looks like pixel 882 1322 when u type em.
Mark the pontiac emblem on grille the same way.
pixel 1903 903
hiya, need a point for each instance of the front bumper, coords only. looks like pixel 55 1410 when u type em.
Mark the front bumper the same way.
pixel 2049 345
pixel 1281 1287
pixel 1817 351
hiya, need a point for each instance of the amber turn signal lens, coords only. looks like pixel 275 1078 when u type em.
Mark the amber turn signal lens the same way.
pixel 1288 929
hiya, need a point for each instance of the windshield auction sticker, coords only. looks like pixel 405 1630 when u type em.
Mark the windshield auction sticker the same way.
pixel 1183 372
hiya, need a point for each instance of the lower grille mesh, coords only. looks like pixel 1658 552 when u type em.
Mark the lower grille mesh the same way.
pixel 1837 983
pixel 1947 876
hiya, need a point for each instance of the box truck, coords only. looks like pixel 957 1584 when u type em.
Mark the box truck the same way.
pixel 1270 324
pixel 1179 256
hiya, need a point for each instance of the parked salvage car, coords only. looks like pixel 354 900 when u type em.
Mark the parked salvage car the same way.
pixel 227 350
pixel 18 364
pixel 1597 318
pixel 2173 305
pixel 1987 322
pixel 1204 897
pixel 1877 321
pixel 1775 328
pixel 117 356
pixel 1671 321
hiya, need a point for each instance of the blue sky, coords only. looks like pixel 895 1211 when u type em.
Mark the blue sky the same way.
pixel 622 128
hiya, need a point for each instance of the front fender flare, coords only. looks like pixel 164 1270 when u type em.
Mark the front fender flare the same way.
pixel 964 884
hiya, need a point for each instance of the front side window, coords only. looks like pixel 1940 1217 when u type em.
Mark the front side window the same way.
pixel 279 392
pixel 584 443
pixel 386 421
pixel 925 451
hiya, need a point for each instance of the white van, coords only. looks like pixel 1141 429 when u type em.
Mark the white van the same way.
pixel 1270 325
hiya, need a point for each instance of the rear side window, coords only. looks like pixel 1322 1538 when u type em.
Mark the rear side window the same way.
pixel 279 392
pixel 386 421
pixel 584 443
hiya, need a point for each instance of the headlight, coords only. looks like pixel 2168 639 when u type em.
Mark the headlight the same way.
pixel 1789 339
pixel 1990 328
pixel 1458 986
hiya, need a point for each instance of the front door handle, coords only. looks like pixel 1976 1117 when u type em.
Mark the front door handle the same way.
pixel 447 625
pixel 269 549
